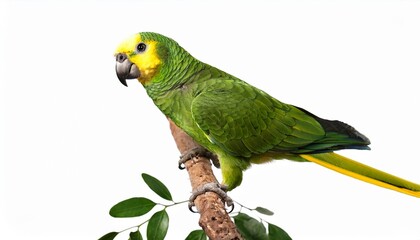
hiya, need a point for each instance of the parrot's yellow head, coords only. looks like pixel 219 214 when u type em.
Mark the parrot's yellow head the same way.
pixel 137 58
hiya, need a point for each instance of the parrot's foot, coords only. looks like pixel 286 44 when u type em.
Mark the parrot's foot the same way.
pixel 197 152
pixel 211 187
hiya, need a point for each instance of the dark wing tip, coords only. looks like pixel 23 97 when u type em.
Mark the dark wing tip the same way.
pixel 340 127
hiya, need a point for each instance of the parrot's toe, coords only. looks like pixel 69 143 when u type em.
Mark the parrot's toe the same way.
pixel 198 152
pixel 211 187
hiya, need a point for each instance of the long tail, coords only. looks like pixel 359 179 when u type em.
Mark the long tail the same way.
pixel 363 172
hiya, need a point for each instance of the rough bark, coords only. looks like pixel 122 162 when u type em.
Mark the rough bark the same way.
pixel 214 219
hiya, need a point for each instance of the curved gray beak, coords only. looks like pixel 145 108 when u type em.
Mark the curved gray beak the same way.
pixel 125 69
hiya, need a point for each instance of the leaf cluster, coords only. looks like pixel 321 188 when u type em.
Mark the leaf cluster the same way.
pixel 158 224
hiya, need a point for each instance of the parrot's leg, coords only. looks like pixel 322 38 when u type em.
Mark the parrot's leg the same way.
pixel 211 187
pixel 198 152
pixel 217 188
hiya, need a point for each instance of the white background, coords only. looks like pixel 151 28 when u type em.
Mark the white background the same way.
pixel 75 141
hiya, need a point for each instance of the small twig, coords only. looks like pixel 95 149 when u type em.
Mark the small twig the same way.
pixel 214 219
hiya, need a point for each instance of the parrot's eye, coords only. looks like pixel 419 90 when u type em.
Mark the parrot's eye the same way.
pixel 141 47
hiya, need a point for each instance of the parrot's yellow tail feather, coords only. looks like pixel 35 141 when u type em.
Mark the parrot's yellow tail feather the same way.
pixel 363 172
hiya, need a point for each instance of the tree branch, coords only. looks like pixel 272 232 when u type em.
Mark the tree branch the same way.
pixel 214 219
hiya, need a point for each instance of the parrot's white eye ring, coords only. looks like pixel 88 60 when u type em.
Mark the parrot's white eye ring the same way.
pixel 141 47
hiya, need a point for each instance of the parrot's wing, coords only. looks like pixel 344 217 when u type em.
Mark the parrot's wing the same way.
pixel 244 121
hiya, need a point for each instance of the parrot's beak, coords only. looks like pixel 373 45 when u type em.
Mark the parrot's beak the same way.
pixel 125 69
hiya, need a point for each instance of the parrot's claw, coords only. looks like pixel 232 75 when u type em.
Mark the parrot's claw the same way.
pixel 196 152
pixel 211 187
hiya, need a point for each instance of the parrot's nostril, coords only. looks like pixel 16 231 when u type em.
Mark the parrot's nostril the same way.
pixel 121 57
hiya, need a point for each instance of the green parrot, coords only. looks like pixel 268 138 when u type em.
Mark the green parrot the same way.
pixel 238 122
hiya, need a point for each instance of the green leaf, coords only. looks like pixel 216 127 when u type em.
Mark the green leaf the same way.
pixel 158 225
pixel 264 211
pixel 157 186
pixel 132 207
pixel 249 227
pixel 276 233
pixel 197 235
pixel 241 217
pixel 135 236
pixel 109 236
